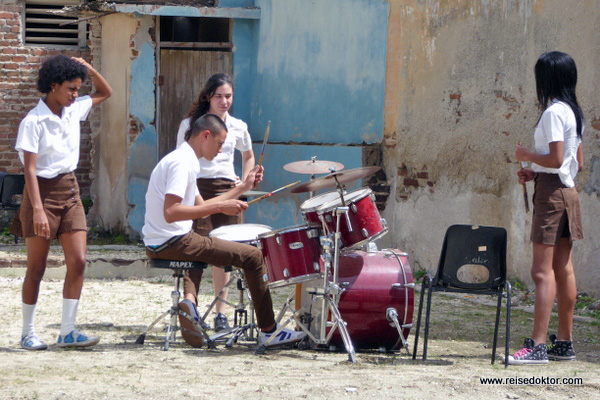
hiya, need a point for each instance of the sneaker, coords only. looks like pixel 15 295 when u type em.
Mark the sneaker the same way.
pixel 530 354
pixel 76 339
pixel 283 337
pixel 560 350
pixel 221 322
pixel 33 342
pixel 189 330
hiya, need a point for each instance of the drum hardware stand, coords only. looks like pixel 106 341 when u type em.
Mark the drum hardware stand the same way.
pixel 241 326
pixel 174 311
pixel 392 315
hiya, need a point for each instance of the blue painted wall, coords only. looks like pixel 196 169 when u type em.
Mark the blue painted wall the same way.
pixel 143 151
pixel 320 70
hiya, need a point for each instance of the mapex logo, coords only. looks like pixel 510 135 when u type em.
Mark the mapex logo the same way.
pixel 296 245
pixel 180 264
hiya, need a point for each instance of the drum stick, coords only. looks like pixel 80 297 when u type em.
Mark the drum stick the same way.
pixel 262 151
pixel 525 196
pixel 264 196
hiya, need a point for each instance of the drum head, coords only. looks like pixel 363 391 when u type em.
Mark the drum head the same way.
pixel 350 197
pixel 317 201
pixel 239 232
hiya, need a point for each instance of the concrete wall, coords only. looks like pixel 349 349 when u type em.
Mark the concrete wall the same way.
pixel 460 94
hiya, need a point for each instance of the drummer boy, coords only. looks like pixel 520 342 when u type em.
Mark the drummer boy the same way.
pixel 173 202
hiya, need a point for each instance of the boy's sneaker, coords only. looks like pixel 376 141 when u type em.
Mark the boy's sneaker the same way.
pixel 33 342
pixel 561 350
pixel 76 339
pixel 530 354
pixel 283 337
pixel 189 331
pixel 221 322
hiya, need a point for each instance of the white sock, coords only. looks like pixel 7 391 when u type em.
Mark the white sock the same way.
pixel 28 317
pixel 68 316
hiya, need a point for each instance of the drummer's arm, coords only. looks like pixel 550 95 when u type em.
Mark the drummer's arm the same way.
pixel 174 211
pixel 254 176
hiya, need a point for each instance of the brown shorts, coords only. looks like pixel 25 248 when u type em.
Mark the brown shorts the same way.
pixel 208 189
pixel 556 211
pixel 62 205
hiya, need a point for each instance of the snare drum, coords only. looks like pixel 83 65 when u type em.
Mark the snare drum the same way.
pixel 309 208
pixel 371 283
pixel 241 233
pixel 292 255
pixel 361 224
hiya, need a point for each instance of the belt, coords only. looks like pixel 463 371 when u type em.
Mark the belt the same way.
pixel 161 247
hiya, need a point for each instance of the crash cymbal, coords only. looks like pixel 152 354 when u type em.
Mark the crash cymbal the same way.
pixel 332 180
pixel 313 167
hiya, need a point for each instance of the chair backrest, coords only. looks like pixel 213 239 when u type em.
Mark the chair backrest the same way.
pixel 10 185
pixel 473 245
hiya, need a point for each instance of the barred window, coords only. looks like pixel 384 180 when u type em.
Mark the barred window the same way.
pixel 42 27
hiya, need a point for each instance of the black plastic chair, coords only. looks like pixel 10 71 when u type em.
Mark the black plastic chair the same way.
pixel 470 245
pixel 10 186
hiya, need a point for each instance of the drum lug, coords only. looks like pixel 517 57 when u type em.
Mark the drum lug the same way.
pixel 259 245
pixel 365 233
pixel 317 266
pixel 384 222
pixel 372 196
pixel 312 233
pixel 286 273
pixel 266 277
pixel 278 240
pixel 353 208
pixel 401 285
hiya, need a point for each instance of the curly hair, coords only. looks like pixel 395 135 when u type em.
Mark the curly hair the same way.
pixel 57 69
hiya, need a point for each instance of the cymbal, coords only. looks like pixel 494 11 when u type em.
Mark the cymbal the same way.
pixel 329 181
pixel 313 167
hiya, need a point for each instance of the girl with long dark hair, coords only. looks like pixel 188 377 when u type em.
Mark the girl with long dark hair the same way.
pixel 217 176
pixel 557 158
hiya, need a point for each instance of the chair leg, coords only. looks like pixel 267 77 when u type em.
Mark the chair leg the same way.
pixel 508 306
pixel 423 287
pixel 427 314
pixel 495 342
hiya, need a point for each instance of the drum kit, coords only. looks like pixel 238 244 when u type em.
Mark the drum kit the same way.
pixel 345 291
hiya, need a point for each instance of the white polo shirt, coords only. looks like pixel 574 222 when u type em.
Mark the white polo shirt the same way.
pixel 221 166
pixel 558 124
pixel 54 139
pixel 174 174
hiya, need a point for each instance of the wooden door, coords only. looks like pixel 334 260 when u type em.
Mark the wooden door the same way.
pixel 182 75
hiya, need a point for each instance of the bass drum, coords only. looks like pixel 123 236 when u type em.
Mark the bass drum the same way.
pixel 372 283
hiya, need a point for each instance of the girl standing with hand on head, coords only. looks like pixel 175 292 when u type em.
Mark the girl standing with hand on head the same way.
pixel 217 176
pixel 48 146
pixel 557 158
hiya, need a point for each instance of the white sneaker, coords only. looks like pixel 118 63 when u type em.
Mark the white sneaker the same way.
pixel 285 336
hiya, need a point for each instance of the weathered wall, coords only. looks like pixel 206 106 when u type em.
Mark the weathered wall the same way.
pixel 109 190
pixel 460 94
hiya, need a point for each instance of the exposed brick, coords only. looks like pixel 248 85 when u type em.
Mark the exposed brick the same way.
pixel 411 182
pixel 423 175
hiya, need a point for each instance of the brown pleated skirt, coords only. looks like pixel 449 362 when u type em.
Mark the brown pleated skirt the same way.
pixel 556 211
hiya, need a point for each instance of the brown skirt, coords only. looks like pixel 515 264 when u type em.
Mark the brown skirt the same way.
pixel 556 211
pixel 62 205
pixel 208 189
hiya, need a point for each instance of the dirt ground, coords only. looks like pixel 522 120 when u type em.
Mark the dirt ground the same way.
pixel 117 368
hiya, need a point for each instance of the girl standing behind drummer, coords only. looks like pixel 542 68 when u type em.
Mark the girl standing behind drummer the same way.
pixel 48 146
pixel 557 158
pixel 217 176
